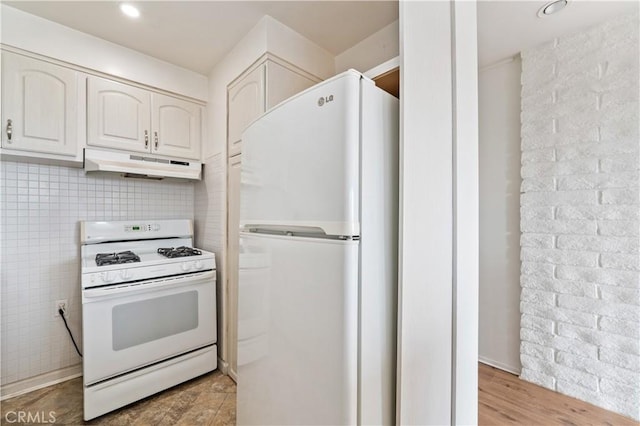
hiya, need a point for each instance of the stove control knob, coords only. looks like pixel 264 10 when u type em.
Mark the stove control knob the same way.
pixel 197 264
pixel 186 266
pixel 125 274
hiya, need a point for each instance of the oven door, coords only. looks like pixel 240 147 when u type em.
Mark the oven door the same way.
pixel 131 326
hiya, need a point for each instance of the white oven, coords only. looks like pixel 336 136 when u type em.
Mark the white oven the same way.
pixel 132 326
pixel 148 310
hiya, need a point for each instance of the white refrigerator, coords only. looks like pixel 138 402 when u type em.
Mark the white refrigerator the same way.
pixel 318 258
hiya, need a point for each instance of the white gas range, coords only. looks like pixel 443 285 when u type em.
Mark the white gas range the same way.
pixel 148 310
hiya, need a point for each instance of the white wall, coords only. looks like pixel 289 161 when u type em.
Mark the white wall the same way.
pixel 499 114
pixel 268 35
pixel 580 215
pixel 287 44
pixel 40 210
pixel 379 47
pixel 38 35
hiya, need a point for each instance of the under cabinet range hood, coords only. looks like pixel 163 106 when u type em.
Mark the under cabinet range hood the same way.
pixel 138 165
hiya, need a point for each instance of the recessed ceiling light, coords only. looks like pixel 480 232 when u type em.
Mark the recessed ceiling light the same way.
pixel 551 8
pixel 129 10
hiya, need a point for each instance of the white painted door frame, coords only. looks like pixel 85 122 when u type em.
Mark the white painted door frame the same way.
pixel 438 264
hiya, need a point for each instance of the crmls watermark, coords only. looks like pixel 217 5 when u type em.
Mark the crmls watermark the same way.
pixel 30 417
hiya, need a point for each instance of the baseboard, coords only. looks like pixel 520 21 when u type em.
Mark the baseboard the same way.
pixel 233 375
pixel 499 365
pixel 223 366
pixel 41 381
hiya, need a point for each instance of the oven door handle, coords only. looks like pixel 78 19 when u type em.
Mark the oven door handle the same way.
pixel 146 286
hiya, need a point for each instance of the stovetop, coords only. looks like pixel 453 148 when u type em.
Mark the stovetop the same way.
pixel 182 251
pixel 128 256
pixel 116 258
pixel 147 257
pixel 122 252
pixel 151 265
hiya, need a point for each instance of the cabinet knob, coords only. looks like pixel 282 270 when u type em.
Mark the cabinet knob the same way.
pixel 155 139
pixel 9 130
pixel 146 139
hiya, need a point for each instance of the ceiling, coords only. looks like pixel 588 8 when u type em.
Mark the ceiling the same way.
pixel 508 27
pixel 197 34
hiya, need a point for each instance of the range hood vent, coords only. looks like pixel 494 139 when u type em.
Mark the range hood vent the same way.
pixel 131 165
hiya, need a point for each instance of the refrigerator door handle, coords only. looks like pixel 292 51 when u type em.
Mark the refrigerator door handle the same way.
pixel 294 231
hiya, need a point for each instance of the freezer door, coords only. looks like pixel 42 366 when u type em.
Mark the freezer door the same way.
pixel 301 367
pixel 300 162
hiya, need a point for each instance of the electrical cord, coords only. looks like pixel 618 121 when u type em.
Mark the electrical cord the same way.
pixel 61 312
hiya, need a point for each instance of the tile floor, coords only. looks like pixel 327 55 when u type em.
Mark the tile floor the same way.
pixel 206 400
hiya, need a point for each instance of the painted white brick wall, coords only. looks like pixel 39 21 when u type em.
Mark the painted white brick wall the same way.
pixel 580 274
pixel 40 210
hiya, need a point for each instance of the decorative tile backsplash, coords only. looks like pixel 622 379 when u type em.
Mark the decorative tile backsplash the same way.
pixel 40 210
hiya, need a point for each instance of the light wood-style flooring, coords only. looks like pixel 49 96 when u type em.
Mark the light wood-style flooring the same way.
pixel 211 400
pixel 504 399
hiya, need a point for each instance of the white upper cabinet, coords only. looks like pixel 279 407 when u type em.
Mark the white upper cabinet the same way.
pixel 118 115
pixel 246 103
pixel 176 127
pixel 39 106
pixel 261 87
pixel 129 118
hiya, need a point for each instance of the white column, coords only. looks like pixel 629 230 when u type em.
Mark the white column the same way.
pixel 466 214
pixel 437 353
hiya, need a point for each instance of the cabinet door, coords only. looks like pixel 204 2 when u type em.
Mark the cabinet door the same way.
pixel 176 127
pixel 282 83
pixel 233 225
pixel 246 102
pixel 39 106
pixel 118 115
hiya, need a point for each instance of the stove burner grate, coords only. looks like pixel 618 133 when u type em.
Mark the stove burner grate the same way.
pixel 116 258
pixel 179 252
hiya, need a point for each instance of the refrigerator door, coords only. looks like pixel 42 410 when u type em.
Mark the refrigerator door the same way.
pixel 301 367
pixel 300 164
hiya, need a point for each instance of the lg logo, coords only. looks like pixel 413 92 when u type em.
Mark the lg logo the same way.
pixel 323 100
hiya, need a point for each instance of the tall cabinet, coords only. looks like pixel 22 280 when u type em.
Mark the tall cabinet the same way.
pixel 262 86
